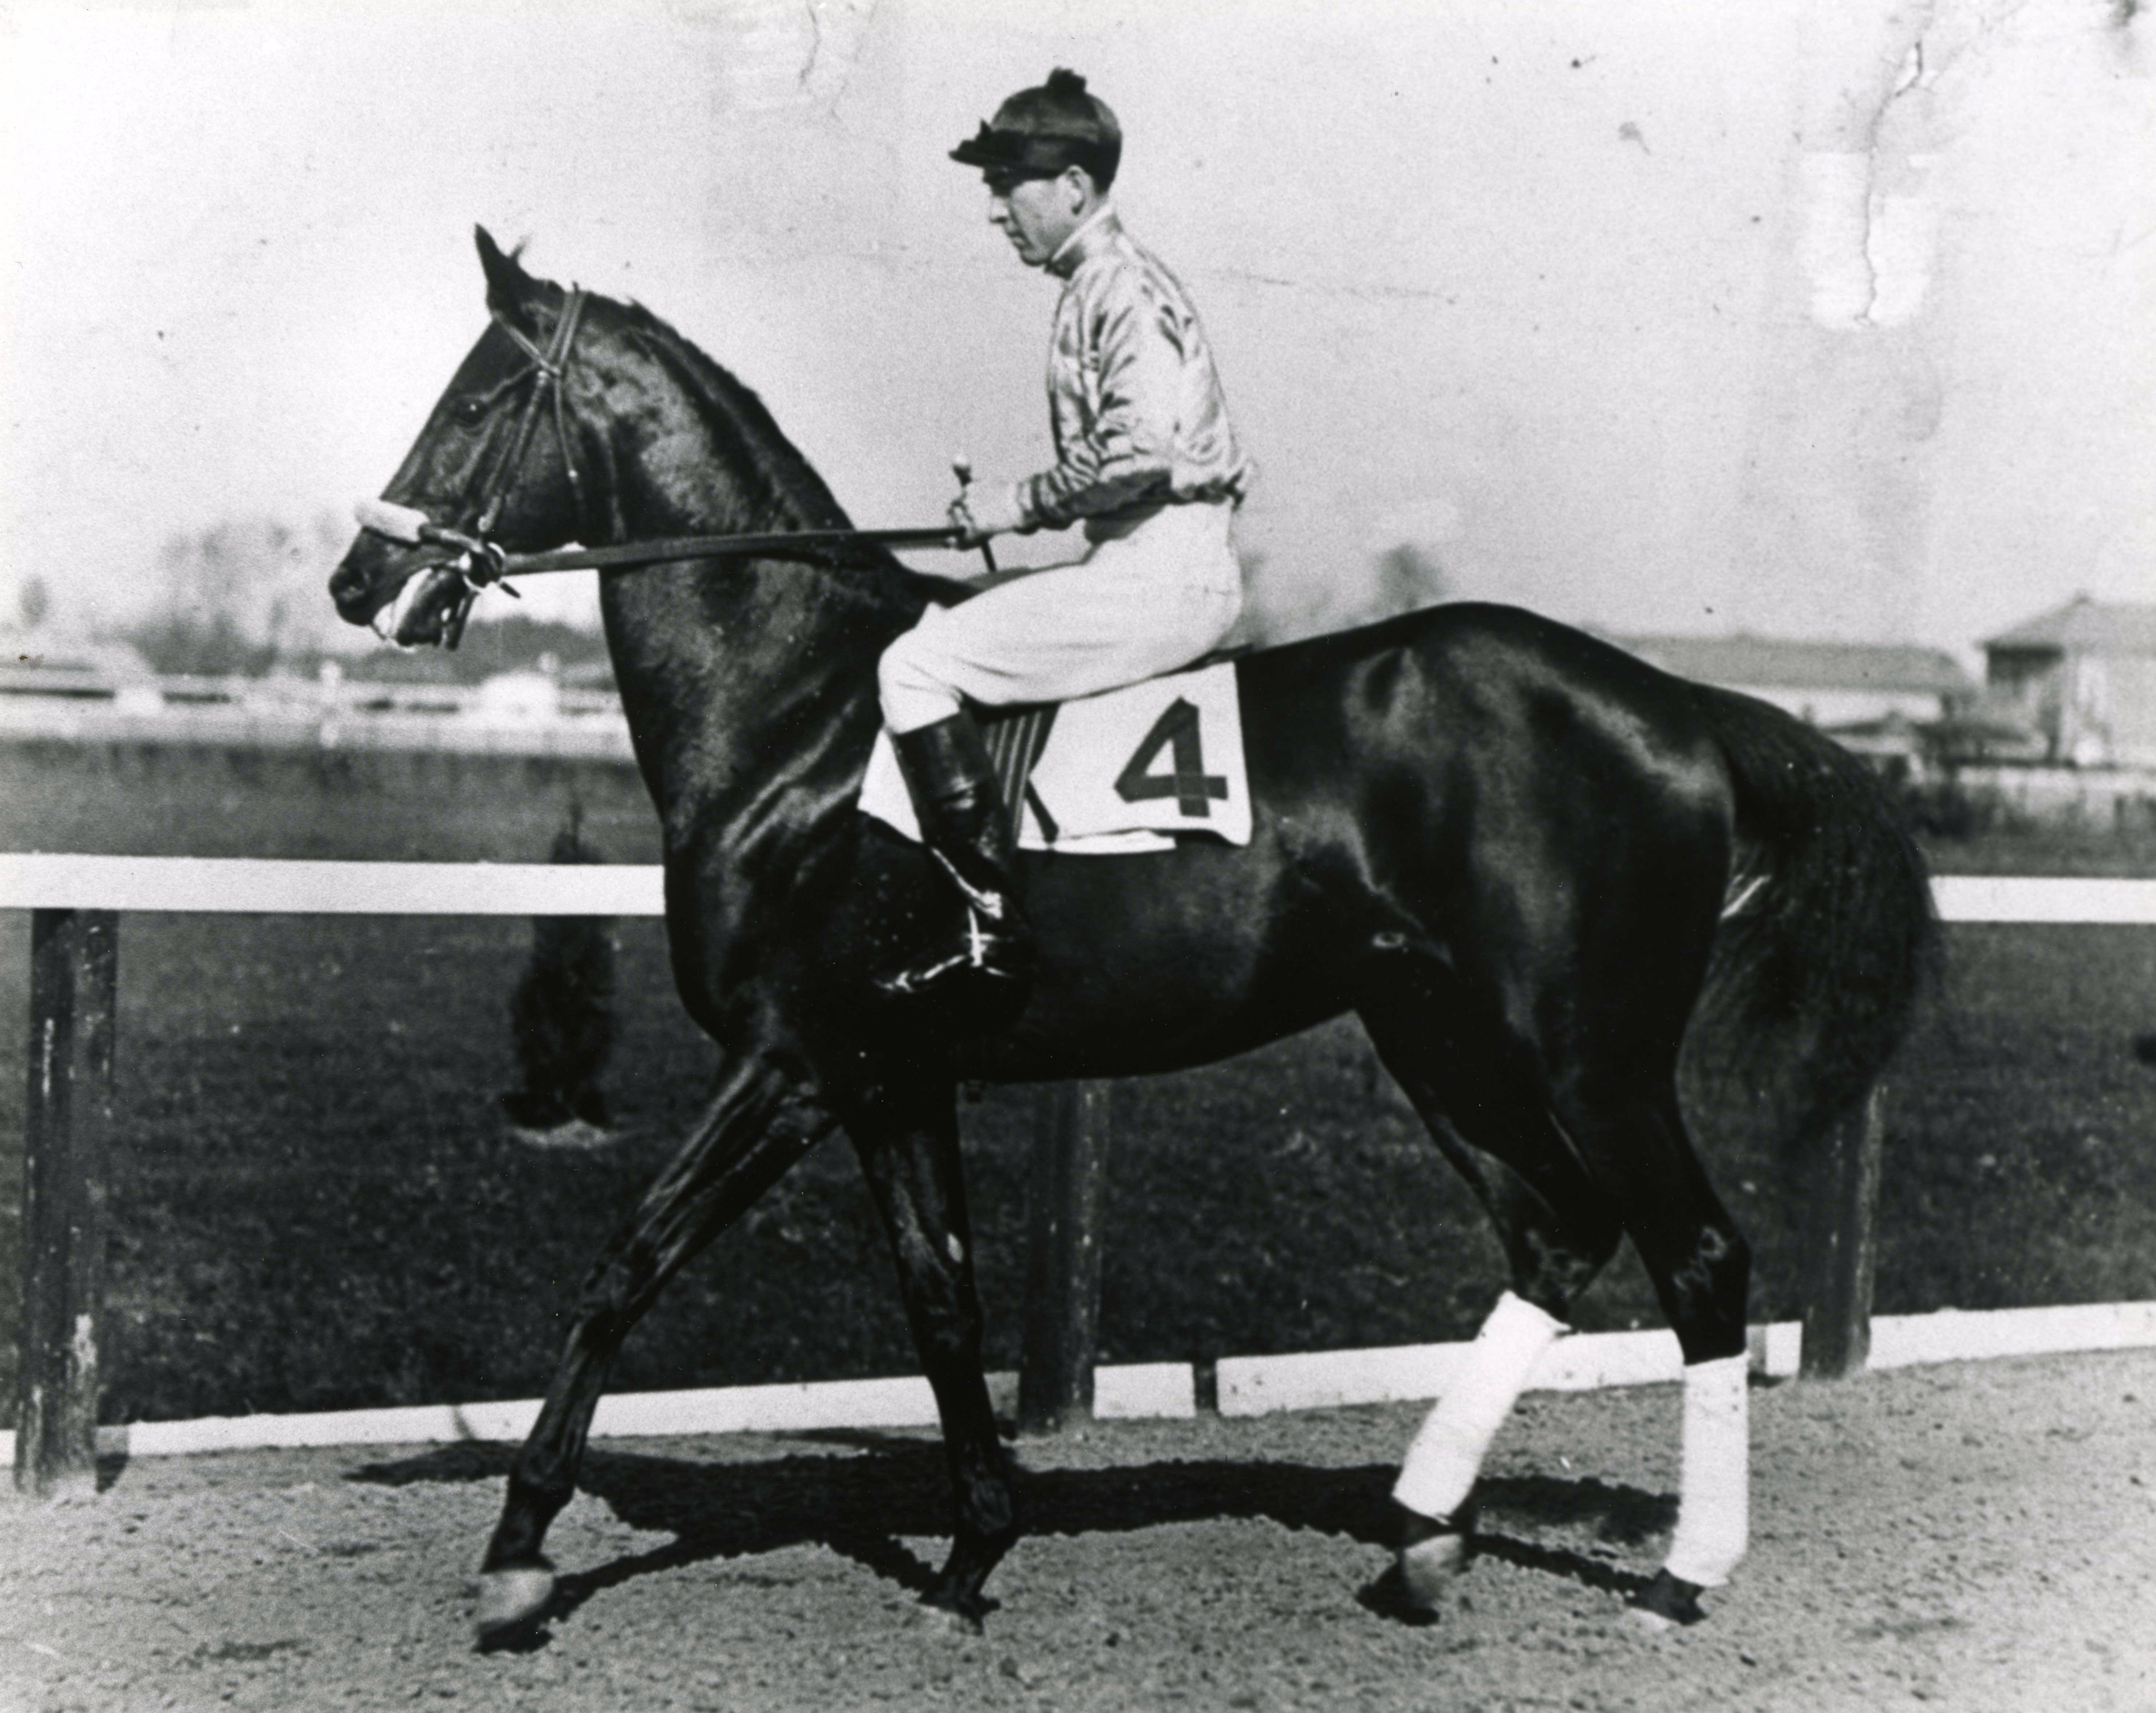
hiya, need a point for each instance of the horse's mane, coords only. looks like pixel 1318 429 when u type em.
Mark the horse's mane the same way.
pixel 777 481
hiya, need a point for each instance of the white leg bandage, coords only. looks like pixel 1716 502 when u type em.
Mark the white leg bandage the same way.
pixel 1447 1455
pixel 1714 1512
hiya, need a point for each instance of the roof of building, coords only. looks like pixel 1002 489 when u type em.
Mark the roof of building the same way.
pixel 1766 662
pixel 2087 627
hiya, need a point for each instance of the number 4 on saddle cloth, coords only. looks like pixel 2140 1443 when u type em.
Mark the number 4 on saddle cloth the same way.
pixel 1127 770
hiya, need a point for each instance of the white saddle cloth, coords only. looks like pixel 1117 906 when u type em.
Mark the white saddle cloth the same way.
pixel 1122 771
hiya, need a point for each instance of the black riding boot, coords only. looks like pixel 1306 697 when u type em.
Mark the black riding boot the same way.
pixel 986 976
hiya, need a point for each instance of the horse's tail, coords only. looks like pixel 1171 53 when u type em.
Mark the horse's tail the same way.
pixel 1830 937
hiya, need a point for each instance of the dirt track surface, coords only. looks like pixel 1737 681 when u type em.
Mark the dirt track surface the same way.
pixel 1972 1536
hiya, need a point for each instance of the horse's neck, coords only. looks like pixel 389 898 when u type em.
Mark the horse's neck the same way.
pixel 741 678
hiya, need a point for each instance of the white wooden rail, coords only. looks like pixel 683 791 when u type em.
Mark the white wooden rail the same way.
pixel 245 884
pixel 235 885
pixel 75 902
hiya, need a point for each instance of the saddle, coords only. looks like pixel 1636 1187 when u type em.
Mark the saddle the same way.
pixel 1137 768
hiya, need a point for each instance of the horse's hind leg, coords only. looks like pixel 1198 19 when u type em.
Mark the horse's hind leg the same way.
pixel 1627 1128
pixel 908 1143
pixel 758 1124
pixel 1479 1097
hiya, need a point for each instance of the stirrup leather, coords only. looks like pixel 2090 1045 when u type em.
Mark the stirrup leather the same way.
pixel 981 902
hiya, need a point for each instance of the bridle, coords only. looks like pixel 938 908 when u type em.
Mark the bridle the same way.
pixel 479 561
pixel 485 560
pixel 550 367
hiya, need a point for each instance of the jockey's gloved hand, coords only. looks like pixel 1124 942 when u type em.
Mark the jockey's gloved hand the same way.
pixel 985 510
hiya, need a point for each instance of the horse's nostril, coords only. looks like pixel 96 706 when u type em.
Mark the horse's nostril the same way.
pixel 351 590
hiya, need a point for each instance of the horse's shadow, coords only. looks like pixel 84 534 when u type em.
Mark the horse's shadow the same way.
pixel 860 1506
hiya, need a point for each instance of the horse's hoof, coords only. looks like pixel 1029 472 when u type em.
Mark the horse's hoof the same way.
pixel 1389 1597
pixel 512 1603
pixel 1429 1568
pixel 1666 1603
pixel 944 1621
pixel 959 1612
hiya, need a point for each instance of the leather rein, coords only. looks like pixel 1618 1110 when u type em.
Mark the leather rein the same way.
pixel 479 561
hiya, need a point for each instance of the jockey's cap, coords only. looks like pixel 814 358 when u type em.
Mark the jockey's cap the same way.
pixel 1039 131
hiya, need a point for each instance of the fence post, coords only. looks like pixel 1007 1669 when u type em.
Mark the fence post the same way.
pixel 1842 1246
pixel 1071 1128
pixel 74 964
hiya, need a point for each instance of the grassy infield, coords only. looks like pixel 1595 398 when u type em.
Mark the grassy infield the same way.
pixel 314 1206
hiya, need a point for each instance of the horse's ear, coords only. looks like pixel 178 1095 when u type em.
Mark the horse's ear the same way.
pixel 510 291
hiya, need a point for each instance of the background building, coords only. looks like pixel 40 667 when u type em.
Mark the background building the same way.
pixel 2084 677
pixel 1894 703
pixel 1827 684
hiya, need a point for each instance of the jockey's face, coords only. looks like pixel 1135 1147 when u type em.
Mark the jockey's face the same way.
pixel 1037 214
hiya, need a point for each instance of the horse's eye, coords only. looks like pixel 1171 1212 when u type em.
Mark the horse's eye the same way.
pixel 471 413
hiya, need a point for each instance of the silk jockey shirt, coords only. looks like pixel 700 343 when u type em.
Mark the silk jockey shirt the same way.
pixel 1132 396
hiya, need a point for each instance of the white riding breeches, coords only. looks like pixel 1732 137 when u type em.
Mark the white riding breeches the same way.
pixel 1152 593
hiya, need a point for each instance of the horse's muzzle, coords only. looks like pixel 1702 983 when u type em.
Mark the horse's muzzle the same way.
pixel 379 577
pixel 429 610
pixel 369 576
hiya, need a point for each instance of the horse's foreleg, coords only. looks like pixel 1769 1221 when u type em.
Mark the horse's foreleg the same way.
pixel 910 1159
pixel 758 1123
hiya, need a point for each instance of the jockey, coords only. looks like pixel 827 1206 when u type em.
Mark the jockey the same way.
pixel 1144 457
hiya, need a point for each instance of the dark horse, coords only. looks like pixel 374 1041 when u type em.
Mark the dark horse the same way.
pixel 1522 856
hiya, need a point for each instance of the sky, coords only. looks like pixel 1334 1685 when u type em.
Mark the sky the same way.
pixel 1810 317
